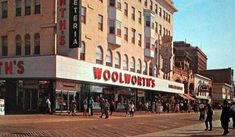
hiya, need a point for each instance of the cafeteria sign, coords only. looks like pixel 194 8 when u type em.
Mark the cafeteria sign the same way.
pixel 68 25
pixel 74 24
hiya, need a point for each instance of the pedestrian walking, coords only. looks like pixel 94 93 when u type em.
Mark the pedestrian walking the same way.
pixel 126 105
pixel 177 107
pixel 48 102
pixel 153 107
pixel 209 117
pixel 159 107
pixel 132 109
pixel 91 104
pixel 73 107
pixel 106 109
pixel 232 110
pixel 202 111
pixel 102 107
pixel 224 118
pixel 146 104
pixel 85 105
pixel 112 107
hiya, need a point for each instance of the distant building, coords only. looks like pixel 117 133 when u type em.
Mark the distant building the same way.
pixel 223 85
pixel 187 56
pixel 221 91
pixel 188 60
pixel 219 75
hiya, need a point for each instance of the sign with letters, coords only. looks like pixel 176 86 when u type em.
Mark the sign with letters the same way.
pixel 68 26
pixel 74 24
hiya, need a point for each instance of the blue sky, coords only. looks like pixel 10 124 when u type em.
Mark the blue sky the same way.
pixel 210 25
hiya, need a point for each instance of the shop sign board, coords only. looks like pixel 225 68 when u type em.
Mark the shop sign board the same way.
pixel 2 107
pixel 60 67
pixel 67 68
pixel 28 67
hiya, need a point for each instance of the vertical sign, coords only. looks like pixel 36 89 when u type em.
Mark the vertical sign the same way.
pixel 74 23
pixel 62 27
pixel 68 26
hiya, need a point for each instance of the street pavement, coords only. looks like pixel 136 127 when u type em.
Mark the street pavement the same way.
pixel 143 124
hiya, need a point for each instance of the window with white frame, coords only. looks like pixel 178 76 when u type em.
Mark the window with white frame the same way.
pixel 140 17
pixel 138 66
pixel 125 62
pixel 145 67
pixel 99 55
pixel 117 60
pixel 109 58
pixel 139 39
pixel 133 13
pixel 126 33
pixel 132 64
pixel 82 51
pixel 125 9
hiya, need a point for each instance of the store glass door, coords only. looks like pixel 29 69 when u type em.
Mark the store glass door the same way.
pixel 63 100
pixel 27 100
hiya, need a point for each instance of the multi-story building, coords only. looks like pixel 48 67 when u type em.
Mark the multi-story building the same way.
pixel 222 84
pixel 125 52
pixel 182 68
pixel 198 61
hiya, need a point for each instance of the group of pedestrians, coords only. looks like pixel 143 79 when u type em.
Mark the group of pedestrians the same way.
pixel 227 112
pixel 129 108
pixel 88 105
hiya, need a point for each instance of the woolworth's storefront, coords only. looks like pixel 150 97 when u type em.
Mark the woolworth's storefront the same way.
pixel 26 82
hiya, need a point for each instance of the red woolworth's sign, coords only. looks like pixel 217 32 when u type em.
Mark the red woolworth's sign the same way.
pixel 123 78
pixel 9 67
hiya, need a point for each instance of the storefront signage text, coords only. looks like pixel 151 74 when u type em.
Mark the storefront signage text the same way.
pixel 123 78
pixel 11 67
pixel 74 24
pixel 175 87
pixel 62 22
pixel 69 21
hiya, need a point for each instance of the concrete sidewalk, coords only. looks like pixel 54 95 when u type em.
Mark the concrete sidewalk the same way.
pixel 196 130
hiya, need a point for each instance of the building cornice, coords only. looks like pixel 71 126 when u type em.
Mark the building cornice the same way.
pixel 170 4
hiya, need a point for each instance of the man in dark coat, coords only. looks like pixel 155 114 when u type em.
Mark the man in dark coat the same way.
pixel 102 107
pixel 209 117
pixel 224 118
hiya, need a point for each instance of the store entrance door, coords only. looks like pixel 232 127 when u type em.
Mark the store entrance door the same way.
pixel 27 100
pixel 64 99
